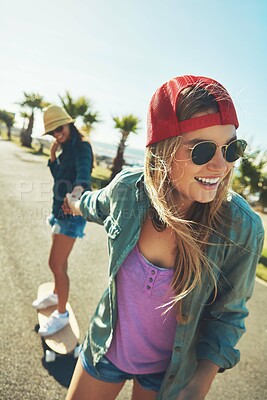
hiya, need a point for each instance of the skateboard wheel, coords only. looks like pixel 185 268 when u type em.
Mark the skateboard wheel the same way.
pixel 76 352
pixel 50 356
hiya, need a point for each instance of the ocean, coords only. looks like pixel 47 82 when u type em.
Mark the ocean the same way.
pixel 132 156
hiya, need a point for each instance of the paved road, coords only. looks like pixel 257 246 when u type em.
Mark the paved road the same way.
pixel 25 200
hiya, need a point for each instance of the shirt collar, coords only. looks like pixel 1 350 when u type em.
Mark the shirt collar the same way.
pixel 141 192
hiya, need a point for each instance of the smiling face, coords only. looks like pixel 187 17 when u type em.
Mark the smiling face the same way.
pixel 199 183
pixel 63 135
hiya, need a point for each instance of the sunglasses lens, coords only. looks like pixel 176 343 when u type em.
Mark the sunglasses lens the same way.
pixel 203 152
pixel 59 129
pixel 235 150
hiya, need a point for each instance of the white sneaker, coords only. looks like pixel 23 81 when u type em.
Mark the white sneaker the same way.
pixel 44 302
pixel 54 323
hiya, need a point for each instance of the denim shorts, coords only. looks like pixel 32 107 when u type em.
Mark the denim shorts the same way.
pixel 73 226
pixel 108 372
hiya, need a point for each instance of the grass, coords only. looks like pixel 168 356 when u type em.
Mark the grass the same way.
pixel 100 177
pixel 261 271
pixel 100 172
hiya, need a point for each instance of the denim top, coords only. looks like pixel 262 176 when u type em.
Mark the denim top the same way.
pixel 210 330
pixel 71 168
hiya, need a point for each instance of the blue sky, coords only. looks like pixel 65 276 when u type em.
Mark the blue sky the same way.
pixel 117 53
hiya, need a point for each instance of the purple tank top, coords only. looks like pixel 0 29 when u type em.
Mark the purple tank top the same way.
pixel 143 338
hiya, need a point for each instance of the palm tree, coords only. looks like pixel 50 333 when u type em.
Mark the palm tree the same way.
pixel 31 101
pixel 81 107
pixel 26 117
pixel 126 125
pixel 251 176
pixel 8 118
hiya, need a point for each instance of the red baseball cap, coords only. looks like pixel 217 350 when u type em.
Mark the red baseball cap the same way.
pixel 162 121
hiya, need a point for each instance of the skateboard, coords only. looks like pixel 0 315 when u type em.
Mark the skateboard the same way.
pixel 64 341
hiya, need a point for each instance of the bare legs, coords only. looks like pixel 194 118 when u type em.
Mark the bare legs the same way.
pixel 84 387
pixel 58 262
pixel 139 393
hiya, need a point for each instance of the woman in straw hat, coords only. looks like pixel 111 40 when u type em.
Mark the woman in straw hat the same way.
pixel 183 252
pixel 71 171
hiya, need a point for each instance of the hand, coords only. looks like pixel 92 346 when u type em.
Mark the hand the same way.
pixel 53 149
pixel 66 208
pixel 77 192
pixel 71 205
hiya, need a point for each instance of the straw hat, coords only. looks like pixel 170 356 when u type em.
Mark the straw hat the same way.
pixel 54 117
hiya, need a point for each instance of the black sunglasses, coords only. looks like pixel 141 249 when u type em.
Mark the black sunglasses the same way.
pixel 57 130
pixel 204 151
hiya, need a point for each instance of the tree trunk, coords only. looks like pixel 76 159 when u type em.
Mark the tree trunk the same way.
pixel 9 132
pixel 118 161
pixel 26 135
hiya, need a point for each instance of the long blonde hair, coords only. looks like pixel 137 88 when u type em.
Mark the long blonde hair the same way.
pixel 192 233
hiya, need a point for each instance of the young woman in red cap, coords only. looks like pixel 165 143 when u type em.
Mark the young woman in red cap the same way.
pixel 71 171
pixel 183 252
